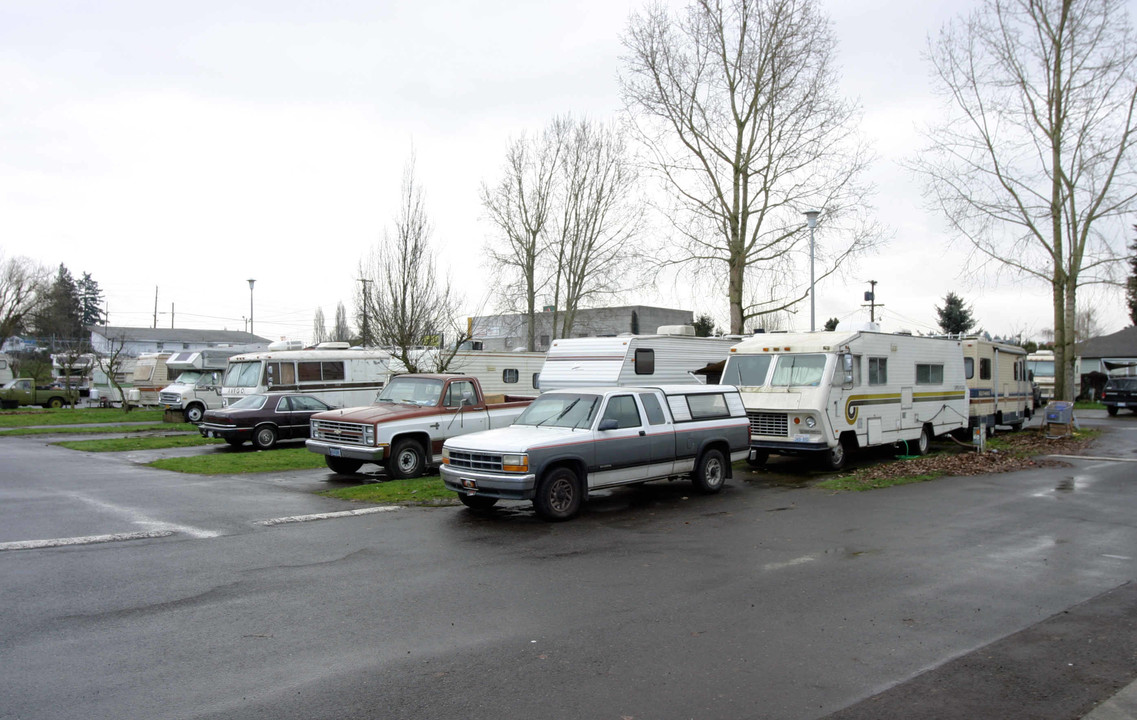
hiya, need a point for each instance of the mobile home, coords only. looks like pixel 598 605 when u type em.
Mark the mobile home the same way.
pixel 336 374
pixel 672 356
pixel 827 394
pixel 997 382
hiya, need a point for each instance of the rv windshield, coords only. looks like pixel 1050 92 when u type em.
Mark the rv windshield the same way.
pixel 411 390
pixel 243 374
pixel 1041 368
pixel 746 370
pixel 189 377
pixel 560 410
pixel 797 370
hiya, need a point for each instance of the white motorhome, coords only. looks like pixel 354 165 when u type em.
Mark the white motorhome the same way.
pixel 150 376
pixel 197 387
pixel 998 384
pixel 508 373
pixel 1040 369
pixel 672 356
pixel 829 393
pixel 333 372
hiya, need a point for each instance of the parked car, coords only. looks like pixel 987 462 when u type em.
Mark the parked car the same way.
pixel 263 418
pixel 1120 392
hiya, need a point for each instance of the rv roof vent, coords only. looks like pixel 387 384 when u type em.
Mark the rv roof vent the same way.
pixel 286 345
pixel 333 346
pixel 688 330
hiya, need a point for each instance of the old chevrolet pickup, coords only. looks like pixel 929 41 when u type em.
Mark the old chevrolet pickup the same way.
pixel 568 443
pixel 411 418
pixel 24 391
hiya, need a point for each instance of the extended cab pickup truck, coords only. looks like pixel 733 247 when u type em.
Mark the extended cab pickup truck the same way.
pixel 24 391
pixel 405 428
pixel 570 442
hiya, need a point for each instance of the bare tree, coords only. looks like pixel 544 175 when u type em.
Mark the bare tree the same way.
pixel 112 364
pixel 342 331
pixel 22 284
pixel 519 205
pixel 410 305
pixel 1033 162
pixel 319 332
pixel 736 102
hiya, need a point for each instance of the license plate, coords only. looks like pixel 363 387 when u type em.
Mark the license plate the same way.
pixel 334 452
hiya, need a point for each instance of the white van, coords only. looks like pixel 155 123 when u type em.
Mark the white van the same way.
pixel 998 385
pixel 828 393
pixel 338 375
pixel 673 356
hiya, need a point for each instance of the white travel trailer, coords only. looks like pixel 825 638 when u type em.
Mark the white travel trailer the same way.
pixel 997 383
pixel 672 356
pixel 72 370
pixel 829 393
pixel 103 392
pixel 150 376
pixel 197 387
pixel 5 369
pixel 334 373
pixel 508 373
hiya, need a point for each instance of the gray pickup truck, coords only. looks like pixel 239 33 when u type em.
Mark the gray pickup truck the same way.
pixel 570 442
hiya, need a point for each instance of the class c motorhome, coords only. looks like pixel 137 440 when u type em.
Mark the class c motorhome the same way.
pixel 998 384
pixel 827 394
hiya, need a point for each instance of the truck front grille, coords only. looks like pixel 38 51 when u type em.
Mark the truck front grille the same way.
pixel 170 399
pixel 340 432
pixel 776 424
pixel 475 460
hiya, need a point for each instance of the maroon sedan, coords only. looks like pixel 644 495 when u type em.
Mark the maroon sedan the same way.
pixel 263 418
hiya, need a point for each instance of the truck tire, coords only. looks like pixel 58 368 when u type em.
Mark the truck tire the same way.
pixel 559 495
pixel 342 466
pixel 194 413
pixel 55 403
pixel 407 460
pixel 264 437
pixel 477 502
pixel 834 458
pixel 710 474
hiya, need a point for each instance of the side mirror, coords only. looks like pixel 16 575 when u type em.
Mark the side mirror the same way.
pixel 1030 375
pixel 609 424
pixel 847 369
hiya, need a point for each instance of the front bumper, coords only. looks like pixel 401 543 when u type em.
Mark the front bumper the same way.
pixel 351 452
pixel 506 486
pixel 783 447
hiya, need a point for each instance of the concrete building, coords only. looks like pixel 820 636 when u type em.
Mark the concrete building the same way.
pixel 136 341
pixel 509 331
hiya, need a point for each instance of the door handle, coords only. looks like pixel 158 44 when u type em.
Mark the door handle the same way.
pixel 642 433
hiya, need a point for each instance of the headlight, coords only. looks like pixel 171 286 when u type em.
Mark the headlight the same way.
pixel 515 463
pixel 445 456
pixel 810 423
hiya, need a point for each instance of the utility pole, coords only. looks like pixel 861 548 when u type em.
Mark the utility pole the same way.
pixel 155 325
pixel 366 333
pixel 171 316
pixel 870 298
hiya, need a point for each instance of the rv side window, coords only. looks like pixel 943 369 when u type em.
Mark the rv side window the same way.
pixel 707 406
pixel 984 368
pixel 969 367
pixel 308 371
pixel 746 370
pixel 645 361
pixel 536 380
pixel 282 373
pixel 878 371
pixel 510 375
pixel 927 374
pixel 653 409
pixel 332 370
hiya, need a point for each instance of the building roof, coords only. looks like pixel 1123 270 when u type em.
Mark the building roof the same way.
pixel 1118 345
pixel 176 335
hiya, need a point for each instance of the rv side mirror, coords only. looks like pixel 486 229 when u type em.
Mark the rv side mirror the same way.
pixel 847 368
pixel 609 424
pixel 1030 375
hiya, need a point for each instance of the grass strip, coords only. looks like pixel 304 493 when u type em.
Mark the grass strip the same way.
pixel 102 430
pixel 422 490
pixel 234 461
pixel 137 443
pixel 67 416
pixel 866 481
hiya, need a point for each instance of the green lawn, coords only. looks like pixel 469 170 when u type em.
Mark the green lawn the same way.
pixel 137 443
pixel 96 429
pixel 425 490
pixel 227 461
pixel 78 416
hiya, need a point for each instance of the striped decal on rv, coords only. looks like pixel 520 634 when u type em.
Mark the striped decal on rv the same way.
pixel 854 402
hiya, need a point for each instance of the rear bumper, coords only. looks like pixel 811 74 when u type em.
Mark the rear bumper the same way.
pixel 227 432
pixel 504 486
pixel 351 452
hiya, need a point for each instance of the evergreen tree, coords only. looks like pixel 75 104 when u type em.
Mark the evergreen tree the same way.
pixel 704 326
pixel 1131 283
pixel 831 324
pixel 90 301
pixel 59 318
pixel 955 318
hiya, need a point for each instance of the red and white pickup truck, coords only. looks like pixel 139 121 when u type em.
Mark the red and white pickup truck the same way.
pixel 405 428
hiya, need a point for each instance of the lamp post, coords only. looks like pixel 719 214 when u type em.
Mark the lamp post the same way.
pixel 811 220
pixel 251 281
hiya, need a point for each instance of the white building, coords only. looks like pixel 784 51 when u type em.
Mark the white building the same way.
pixel 136 341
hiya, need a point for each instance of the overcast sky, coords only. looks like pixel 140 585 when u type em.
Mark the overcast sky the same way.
pixel 187 147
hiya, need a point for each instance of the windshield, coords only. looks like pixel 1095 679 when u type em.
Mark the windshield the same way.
pixel 796 370
pixel 746 370
pixel 243 374
pixel 249 402
pixel 560 410
pixel 411 390
pixel 1041 368
pixel 189 377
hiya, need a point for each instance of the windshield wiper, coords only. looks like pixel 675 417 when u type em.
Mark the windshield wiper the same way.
pixel 561 415
pixel 588 415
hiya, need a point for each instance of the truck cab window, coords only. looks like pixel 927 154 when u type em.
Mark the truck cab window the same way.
pixel 652 409
pixel 622 409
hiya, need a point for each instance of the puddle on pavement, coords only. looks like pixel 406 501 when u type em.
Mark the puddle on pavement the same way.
pixel 1066 485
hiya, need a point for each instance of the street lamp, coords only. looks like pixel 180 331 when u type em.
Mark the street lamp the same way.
pixel 251 281
pixel 811 220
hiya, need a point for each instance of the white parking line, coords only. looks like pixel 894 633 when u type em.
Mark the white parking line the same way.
pixel 326 516
pixel 1091 457
pixel 88 540
pixel 138 518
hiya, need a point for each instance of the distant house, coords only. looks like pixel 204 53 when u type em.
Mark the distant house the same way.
pixel 137 341
pixel 510 331
pixel 1114 354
